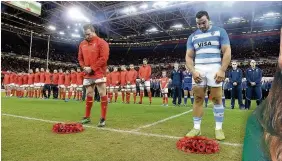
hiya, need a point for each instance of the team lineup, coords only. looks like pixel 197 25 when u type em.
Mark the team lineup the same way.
pixel 205 69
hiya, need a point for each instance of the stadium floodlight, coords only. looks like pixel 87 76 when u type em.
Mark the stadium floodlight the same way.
pixel 75 35
pixel 68 27
pixel 144 6
pixel 53 28
pixel 160 4
pixel 61 33
pixel 76 30
pixel 235 18
pixel 177 26
pixel 152 30
pixel 129 10
pixel 271 14
pixel 75 14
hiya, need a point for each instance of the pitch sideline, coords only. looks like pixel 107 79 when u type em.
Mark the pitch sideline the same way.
pixel 116 130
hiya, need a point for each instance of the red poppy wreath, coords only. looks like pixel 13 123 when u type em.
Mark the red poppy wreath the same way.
pixel 198 144
pixel 67 128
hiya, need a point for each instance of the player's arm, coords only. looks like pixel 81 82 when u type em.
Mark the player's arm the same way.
pixel 104 56
pixel 149 72
pixel 80 57
pixel 259 77
pixel 248 77
pixel 226 50
pixel 190 51
pixel 230 76
pixel 240 76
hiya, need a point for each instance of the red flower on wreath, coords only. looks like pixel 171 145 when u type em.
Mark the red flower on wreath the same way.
pixel 66 128
pixel 198 144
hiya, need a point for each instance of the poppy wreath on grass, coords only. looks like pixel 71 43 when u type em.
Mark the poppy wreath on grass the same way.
pixel 198 144
pixel 67 128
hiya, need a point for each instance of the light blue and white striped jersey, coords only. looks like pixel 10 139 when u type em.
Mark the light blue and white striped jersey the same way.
pixel 207 46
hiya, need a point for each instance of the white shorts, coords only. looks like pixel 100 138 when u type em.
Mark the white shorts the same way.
pixel 11 84
pixel 165 90
pixel 62 86
pixel 146 84
pixel 114 87
pixel 42 84
pixel 133 86
pixel 37 85
pixel 90 81
pixel 79 87
pixel 207 73
pixel 31 85
pixel 73 85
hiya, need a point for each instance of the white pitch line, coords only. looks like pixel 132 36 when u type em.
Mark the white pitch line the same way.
pixel 117 130
pixel 163 120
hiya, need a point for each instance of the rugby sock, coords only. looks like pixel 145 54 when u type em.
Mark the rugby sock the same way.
pixel 134 96
pixel 141 96
pixel 166 99
pixel 111 96
pixel 185 99
pixel 163 99
pixel 127 97
pixel 197 122
pixel 223 100
pixel 218 111
pixel 206 100
pixel 80 95
pixel 192 100
pixel 64 95
pixel 70 94
pixel 36 91
pixel 122 95
pixel 74 96
pixel 104 105
pixel 77 95
pixel 150 96
pixel 89 103
pixel 116 96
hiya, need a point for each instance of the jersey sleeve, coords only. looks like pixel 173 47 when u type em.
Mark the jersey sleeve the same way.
pixel 224 39
pixel 189 45
pixel 80 57
pixel 104 56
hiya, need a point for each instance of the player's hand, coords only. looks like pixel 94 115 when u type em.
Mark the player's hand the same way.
pixel 197 77
pixel 87 70
pixel 234 84
pixel 219 76
pixel 254 83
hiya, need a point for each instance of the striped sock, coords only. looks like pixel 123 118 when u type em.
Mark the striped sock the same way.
pixel 218 111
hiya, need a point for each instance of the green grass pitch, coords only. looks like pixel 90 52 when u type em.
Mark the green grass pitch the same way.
pixel 27 135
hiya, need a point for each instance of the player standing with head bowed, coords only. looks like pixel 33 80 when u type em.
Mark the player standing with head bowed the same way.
pixel 144 76
pixel 93 56
pixel 206 44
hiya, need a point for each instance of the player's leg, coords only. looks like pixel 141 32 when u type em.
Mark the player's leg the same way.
pixel 142 86
pixel 123 91
pixel 128 90
pixel 104 103
pixel 258 94
pixel 233 93
pixel 206 98
pixel 89 86
pixel 191 95
pixel 111 93
pixel 223 98
pixel 148 88
pixel 199 93
pixel 179 91
pixel 133 89
pixel 239 92
pixel 166 96
pixel 249 92
pixel 185 95
pixel 116 92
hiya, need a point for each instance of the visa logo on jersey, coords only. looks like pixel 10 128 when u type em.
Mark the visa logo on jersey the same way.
pixel 207 43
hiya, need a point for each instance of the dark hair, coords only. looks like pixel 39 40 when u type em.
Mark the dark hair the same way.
pixel 200 14
pixel 145 59
pixel 269 116
pixel 88 26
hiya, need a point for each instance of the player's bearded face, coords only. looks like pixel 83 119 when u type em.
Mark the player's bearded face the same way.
pixel 203 23
pixel 88 35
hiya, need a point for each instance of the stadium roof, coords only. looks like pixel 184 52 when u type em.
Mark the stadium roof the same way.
pixel 141 21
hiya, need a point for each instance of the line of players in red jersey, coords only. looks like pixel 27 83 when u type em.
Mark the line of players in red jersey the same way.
pixel 31 84
pixel 71 83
